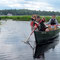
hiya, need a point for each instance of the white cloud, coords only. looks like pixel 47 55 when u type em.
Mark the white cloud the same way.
pixel 11 3
pixel 26 4
pixel 14 5
pixel 38 6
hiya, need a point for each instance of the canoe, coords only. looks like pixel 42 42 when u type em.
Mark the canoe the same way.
pixel 42 36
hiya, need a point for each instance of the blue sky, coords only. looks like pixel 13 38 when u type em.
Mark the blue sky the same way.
pixel 46 5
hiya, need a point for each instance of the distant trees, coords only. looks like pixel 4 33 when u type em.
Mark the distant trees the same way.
pixel 28 12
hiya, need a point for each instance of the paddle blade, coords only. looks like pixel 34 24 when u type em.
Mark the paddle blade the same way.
pixel 26 42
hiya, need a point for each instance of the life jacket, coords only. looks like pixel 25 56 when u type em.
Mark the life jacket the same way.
pixel 53 22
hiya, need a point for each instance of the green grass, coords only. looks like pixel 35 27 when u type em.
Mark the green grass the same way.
pixel 17 18
pixel 25 18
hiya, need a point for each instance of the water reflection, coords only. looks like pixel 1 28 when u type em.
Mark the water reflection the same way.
pixel 41 49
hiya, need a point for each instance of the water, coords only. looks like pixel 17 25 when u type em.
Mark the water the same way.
pixel 12 33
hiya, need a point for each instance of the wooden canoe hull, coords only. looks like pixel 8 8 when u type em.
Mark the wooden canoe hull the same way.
pixel 41 36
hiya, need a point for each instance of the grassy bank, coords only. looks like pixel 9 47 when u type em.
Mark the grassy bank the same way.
pixel 17 18
pixel 25 18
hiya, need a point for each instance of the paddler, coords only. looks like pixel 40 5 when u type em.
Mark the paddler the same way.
pixel 39 24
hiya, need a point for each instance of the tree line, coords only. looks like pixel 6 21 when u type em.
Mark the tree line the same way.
pixel 28 12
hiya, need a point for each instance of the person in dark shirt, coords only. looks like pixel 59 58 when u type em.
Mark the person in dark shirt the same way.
pixel 39 24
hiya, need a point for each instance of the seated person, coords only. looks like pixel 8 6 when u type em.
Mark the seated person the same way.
pixel 33 19
pixel 52 24
pixel 39 24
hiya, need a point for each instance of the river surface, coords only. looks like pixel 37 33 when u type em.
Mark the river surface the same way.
pixel 12 47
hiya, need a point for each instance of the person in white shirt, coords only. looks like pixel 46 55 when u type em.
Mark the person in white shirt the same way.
pixel 52 24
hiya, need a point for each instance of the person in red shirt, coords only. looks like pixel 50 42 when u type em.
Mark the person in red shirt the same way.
pixel 33 18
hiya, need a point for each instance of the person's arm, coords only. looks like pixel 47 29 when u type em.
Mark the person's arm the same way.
pixel 56 22
pixel 49 22
pixel 35 26
pixel 31 24
pixel 43 20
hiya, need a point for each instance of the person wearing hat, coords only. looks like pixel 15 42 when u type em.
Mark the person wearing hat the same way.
pixel 52 24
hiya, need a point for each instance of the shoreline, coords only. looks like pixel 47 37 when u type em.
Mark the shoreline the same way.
pixel 26 18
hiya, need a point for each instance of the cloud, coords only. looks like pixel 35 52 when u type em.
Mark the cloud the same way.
pixel 10 4
pixel 38 6
pixel 15 5
pixel 46 5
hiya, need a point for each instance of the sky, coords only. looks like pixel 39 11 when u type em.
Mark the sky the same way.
pixel 43 5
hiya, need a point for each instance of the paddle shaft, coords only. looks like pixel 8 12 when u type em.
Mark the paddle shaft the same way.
pixel 53 25
pixel 32 32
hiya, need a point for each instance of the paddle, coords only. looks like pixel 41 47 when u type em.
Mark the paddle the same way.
pixel 27 40
pixel 56 25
